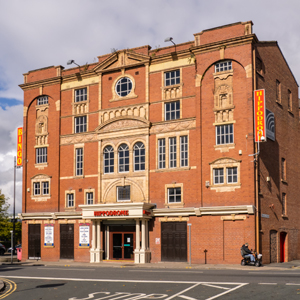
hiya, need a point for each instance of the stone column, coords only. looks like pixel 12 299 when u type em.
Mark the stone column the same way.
pixel 98 246
pixel 147 234
pixel 137 242
pixel 143 248
pixel 92 250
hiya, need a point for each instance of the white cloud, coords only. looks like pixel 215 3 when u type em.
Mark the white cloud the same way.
pixel 50 32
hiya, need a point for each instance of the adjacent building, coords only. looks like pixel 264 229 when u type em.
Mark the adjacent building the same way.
pixel 147 155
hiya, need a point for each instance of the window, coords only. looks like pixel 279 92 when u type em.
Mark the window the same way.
pixel 223 66
pixel 290 101
pixel 123 158
pixel 172 152
pixel 172 110
pixel 79 162
pixel 174 195
pixel 219 176
pixel 232 175
pixel 41 155
pixel 81 95
pixel 161 153
pixel 45 187
pixel 42 100
pixel 283 169
pixel 36 188
pixel 184 151
pixel 124 86
pixel 80 124
pixel 139 156
pixel 90 198
pixel 224 134
pixel 172 77
pixel 278 91
pixel 123 193
pixel 70 200
pixel 284 204
pixel 108 157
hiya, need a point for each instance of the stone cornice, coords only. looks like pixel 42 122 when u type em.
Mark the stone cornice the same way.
pixel 37 84
pixel 51 215
pixel 234 42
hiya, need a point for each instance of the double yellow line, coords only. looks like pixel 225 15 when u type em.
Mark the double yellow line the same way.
pixel 12 286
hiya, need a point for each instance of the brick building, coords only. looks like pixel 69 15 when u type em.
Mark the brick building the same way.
pixel 124 157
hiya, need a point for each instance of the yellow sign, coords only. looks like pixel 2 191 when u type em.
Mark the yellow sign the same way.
pixel 19 148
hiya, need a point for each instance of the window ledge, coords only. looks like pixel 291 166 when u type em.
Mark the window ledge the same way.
pixel 279 103
pixel 41 166
pixel 261 75
pixel 40 198
pixel 119 98
pixel 285 217
pixel 225 187
pixel 78 177
pixel 69 208
pixel 284 181
pixel 172 86
pixel 171 170
pixel 290 112
pixel 174 205
pixel 224 147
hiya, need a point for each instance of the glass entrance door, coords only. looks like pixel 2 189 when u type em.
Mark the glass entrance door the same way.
pixel 117 245
pixel 122 245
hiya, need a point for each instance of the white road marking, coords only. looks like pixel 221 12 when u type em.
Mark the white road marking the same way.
pixel 274 273
pixel 189 288
pixel 292 284
pixel 231 290
pixel 186 297
pixel 181 272
pixel 267 283
pixel 217 287
pixel 65 269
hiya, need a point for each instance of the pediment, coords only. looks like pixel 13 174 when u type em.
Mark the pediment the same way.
pixel 123 123
pixel 224 160
pixel 121 59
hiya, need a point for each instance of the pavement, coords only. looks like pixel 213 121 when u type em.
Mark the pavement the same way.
pixel 6 260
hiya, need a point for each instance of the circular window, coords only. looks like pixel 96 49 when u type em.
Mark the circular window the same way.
pixel 124 86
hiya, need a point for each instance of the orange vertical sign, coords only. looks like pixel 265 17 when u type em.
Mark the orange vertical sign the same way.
pixel 259 115
pixel 19 147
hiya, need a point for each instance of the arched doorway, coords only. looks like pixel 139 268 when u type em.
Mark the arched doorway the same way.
pixel 282 246
pixel 273 246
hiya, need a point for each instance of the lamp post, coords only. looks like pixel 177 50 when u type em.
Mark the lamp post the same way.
pixel 11 243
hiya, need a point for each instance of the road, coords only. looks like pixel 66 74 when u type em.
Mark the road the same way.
pixel 63 282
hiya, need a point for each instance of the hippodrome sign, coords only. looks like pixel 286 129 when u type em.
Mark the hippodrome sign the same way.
pixel 19 148
pixel 259 115
pixel 111 213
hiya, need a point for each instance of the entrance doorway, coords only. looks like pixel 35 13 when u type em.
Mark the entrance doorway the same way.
pixel 282 246
pixel 174 241
pixel 67 241
pixel 34 241
pixel 122 245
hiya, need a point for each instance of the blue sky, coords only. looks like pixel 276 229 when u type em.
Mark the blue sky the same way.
pixel 36 34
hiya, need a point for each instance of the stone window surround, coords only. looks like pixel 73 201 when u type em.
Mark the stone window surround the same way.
pixel 89 190
pixel 40 178
pixel 76 146
pixel 224 147
pixel 166 136
pixel 225 162
pixel 131 157
pixel 164 88
pixel 87 123
pixel 164 109
pixel 175 204
pixel 131 95
pixel 75 104
pixel 41 166
pixel 70 191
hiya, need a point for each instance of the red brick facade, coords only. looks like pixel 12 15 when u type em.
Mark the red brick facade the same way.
pixel 215 180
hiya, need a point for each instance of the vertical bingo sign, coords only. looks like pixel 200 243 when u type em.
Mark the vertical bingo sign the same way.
pixel 19 147
pixel 259 115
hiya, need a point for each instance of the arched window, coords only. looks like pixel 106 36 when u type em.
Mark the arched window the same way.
pixel 123 152
pixel 139 156
pixel 108 159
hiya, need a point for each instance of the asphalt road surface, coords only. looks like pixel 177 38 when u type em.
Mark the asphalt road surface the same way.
pixel 130 283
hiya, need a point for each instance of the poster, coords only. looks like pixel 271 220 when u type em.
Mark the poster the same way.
pixel 49 235
pixel 84 235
